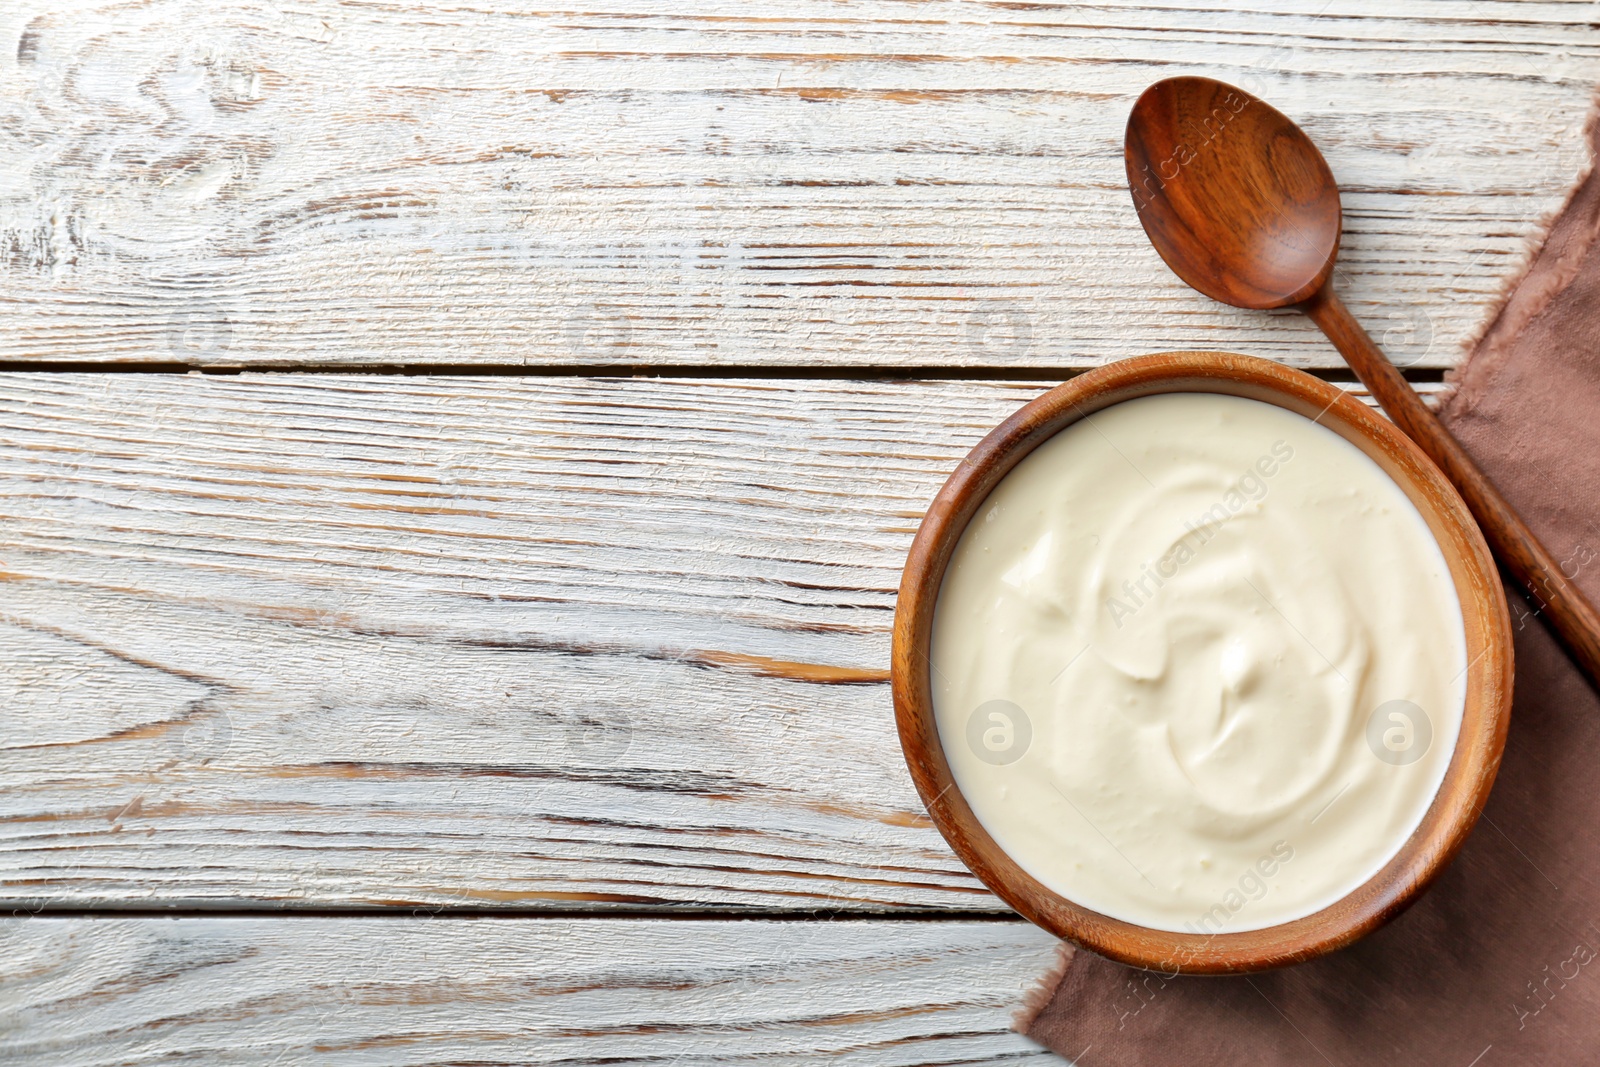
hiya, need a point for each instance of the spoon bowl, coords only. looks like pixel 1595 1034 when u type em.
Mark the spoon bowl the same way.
pixel 1235 196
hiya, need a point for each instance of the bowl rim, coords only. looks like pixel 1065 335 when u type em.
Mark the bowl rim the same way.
pixel 1473 765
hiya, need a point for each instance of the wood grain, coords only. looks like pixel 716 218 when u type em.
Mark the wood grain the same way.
pixel 438 644
pixel 493 643
pixel 734 182
pixel 93 992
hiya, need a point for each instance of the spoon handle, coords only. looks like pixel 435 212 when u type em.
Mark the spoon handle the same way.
pixel 1552 594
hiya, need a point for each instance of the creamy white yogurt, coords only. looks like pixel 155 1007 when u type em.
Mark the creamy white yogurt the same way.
pixel 1198 664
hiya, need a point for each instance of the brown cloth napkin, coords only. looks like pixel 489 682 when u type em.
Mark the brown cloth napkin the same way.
pixel 1499 962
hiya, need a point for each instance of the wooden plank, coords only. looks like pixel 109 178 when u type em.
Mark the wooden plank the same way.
pixel 110 991
pixel 787 182
pixel 495 643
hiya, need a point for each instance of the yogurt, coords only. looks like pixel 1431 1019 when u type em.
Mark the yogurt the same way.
pixel 1198 664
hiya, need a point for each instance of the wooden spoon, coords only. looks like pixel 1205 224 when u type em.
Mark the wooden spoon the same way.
pixel 1242 206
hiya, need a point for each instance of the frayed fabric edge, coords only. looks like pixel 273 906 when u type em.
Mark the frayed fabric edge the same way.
pixel 1044 990
pixel 1510 314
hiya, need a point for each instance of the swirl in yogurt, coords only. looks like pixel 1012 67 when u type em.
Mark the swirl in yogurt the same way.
pixel 1198 664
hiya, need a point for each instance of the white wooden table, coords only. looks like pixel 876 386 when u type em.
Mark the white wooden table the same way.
pixel 484 660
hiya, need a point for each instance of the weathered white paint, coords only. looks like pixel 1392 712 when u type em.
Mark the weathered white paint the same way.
pixel 798 182
pixel 347 992
pixel 500 642
pixel 430 643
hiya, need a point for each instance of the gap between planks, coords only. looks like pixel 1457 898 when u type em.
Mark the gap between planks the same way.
pixel 922 915
pixel 1338 375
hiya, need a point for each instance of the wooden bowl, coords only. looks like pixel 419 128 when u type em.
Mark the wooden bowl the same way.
pixel 1488 638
